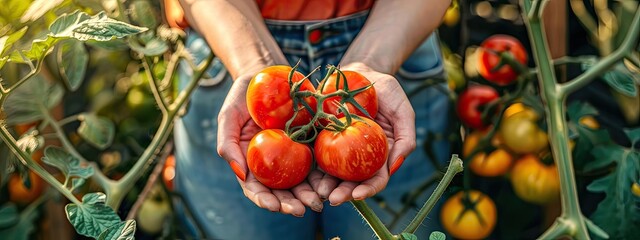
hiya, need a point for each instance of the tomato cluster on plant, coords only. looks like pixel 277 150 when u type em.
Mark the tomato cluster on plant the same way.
pixel 335 120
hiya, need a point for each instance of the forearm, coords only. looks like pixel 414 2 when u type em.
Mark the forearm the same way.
pixel 235 31
pixel 393 31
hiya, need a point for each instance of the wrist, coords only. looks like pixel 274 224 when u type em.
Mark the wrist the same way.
pixel 369 64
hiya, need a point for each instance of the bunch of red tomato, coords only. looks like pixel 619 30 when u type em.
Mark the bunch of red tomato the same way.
pixel 515 149
pixel 335 120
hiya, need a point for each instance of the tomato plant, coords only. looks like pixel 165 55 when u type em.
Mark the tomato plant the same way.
pixel 490 64
pixel 23 195
pixel 487 164
pixel 269 100
pixel 535 182
pixel 277 161
pixel 155 210
pixel 366 98
pixel 472 217
pixel 354 153
pixel 471 103
pixel 169 171
pixel 522 134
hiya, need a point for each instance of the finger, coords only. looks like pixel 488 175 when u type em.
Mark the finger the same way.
pixel 371 186
pixel 231 122
pixel 314 178
pixel 327 184
pixel 307 196
pixel 259 194
pixel 404 138
pixel 288 203
pixel 342 193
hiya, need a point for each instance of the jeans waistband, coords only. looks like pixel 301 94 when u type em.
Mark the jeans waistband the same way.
pixel 349 22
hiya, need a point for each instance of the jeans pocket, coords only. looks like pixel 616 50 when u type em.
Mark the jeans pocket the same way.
pixel 199 49
pixel 425 62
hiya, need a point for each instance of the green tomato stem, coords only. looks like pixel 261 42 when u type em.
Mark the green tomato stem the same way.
pixel 372 219
pixel 455 166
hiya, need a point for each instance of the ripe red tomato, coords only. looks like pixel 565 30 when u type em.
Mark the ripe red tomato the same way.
pixel 277 161
pixel 489 58
pixel 469 104
pixel 269 102
pixel 367 98
pixel 354 154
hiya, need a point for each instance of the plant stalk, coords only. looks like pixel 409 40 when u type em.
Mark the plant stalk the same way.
pixel 372 219
pixel 455 166
pixel 557 130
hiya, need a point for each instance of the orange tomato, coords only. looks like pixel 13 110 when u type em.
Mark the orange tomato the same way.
pixel 20 194
pixel 472 218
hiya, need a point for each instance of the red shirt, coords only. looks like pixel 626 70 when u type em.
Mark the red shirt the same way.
pixel 310 9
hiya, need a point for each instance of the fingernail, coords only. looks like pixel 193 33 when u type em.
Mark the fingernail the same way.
pixel 238 170
pixel 317 206
pixel 396 165
pixel 334 204
pixel 296 215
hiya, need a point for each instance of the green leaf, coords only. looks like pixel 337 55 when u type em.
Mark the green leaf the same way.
pixel 92 217
pixel 67 163
pixel 617 214
pixel 121 231
pixel 38 8
pixel 83 27
pixel 408 236
pixel 577 110
pixel 22 229
pixel 39 49
pixel 73 59
pixel 7 41
pixel 154 47
pixel 587 140
pixel 113 45
pixel 435 235
pixel 27 102
pixel 622 80
pixel 8 215
pixel 98 131
pixel 633 134
pixel 143 13
pixel 604 155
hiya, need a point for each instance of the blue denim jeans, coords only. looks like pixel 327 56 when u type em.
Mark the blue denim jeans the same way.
pixel 210 188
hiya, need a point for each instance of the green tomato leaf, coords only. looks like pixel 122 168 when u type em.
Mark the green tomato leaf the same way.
pixel 577 110
pixel 143 13
pixel 604 155
pixel 98 131
pixel 408 236
pixel 28 102
pixel 39 49
pixel 38 8
pixel 12 10
pixel 633 134
pixel 622 80
pixel 68 164
pixel 120 231
pixel 435 235
pixel 7 41
pixel 83 27
pixel 113 45
pixel 8 215
pixel 617 214
pixel 153 47
pixel 22 229
pixel 73 59
pixel 92 217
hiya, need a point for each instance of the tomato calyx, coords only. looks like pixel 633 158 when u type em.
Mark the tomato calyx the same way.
pixel 470 205
pixel 507 59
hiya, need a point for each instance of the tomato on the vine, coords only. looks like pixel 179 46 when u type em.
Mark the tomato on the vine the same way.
pixel 635 189
pixel 20 194
pixel 590 122
pixel 489 58
pixel 491 164
pixel 269 102
pixel 353 154
pixel 470 104
pixel 535 182
pixel 521 133
pixel 277 161
pixel 471 218
pixel 367 98
pixel 169 171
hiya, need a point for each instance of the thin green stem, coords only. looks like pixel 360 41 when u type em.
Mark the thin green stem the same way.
pixel 124 185
pixel 372 219
pixel 25 159
pixel 455 166
pixel 629 43
pixel 162 103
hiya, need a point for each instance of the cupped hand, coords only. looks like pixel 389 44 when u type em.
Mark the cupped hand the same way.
pixel 397 118
pixel 235 130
